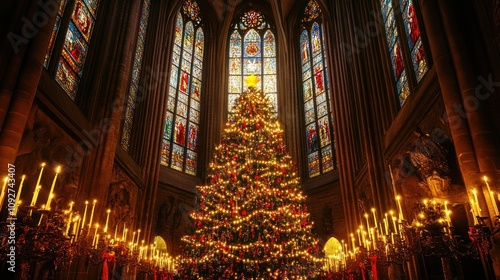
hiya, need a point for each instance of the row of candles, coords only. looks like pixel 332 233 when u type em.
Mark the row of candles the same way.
pixel 476 209
pixel 34 198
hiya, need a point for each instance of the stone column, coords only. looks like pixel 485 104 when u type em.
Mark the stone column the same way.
pixel 24 52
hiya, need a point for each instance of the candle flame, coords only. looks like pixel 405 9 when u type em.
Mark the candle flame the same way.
pixel 58 169
pixel 485 178
pixel 43 164
pixel 109 210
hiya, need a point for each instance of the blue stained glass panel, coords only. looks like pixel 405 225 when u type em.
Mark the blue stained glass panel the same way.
pixel 186 88
pixel 75 49
pixel 318 121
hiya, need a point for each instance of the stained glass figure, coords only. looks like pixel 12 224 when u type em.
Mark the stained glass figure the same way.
pixel 76 43
pixel 185 92
pixel 252 51
pixel 315 92
pixel 136 73
pixel 416 66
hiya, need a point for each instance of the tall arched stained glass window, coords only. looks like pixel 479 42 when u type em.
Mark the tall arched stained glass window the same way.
pixel 182 118
pixel 252 51
pixel 316 93
pixel 406 49
pixel 77 31
pixel 136 73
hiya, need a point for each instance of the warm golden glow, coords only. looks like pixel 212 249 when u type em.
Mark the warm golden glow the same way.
pixel 252 81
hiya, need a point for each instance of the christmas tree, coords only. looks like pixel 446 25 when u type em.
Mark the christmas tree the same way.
pixel 251 220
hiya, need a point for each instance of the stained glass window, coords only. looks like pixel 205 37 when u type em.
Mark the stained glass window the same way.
pixel 55 31
pixel 182 117
pixel 77 34
pixel 406 51
pixel 252 51
pixel 316 93
pixel 134 82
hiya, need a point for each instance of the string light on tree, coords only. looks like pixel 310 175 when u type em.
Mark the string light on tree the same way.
pixel 251 220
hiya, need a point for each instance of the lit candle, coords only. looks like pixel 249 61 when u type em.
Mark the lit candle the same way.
pixel 97 241
pixel 400 209
pixel 49 199
pixel 138 233
pixel 95 234
pixel 367 225
pixel 76 227
pixel 37 186
pixel 124 229
pixel 447 213
pixel 68 225
pixel 374 217
pixel 107 220
pixel 492 196
pixel 3 191
pixel 132 243
pixel 116 230
pixel 18 196
pixel 92 212
pixel 353 242
pixel 359 237
pixel 394 224
pixel 84 213
pixel 386 224
pixel 477 202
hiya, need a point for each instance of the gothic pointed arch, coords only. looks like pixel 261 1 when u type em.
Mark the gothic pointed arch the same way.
pixel 182 116
pixel 316 93
pixel 252 51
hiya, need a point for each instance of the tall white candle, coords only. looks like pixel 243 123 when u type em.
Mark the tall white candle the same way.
pixel 49 199
pixel 95 234
pixel 477 203
pixel 374 217
pixel 68 225
pixel 138 233
pixel 84 213
pixel 367 225
pixel 18 196
pixel 37 186
pixel 473 210
pixel 447 213
pixel 92 212
pixel 107 220
pixel 492 196
pixel 394 224
pixel 400 209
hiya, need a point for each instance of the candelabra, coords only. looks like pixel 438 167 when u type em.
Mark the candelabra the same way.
pixel 39 238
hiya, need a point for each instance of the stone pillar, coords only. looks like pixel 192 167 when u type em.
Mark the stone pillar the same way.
pixel 450 90
pixel 471 136
pixel 24 52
